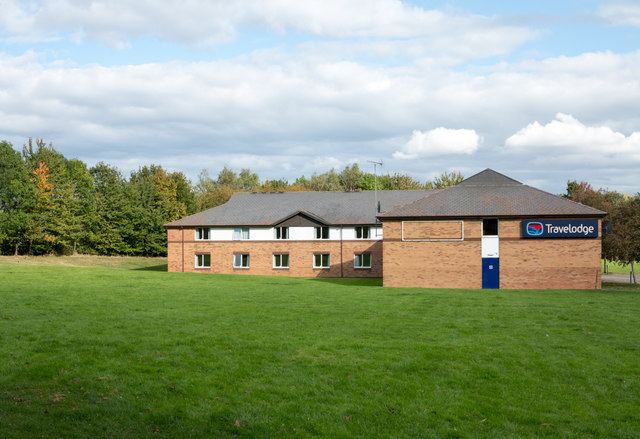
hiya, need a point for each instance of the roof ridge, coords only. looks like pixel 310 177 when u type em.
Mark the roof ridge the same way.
pixel 488 173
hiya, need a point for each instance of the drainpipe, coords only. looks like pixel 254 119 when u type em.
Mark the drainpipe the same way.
pixel 341 265
pixel 182 253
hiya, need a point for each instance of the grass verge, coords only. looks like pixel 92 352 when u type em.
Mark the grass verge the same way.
pixel 117 262
pixel 618 267
pixel 93 352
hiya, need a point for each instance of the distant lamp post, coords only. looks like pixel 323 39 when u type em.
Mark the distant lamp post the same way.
pixel 376 206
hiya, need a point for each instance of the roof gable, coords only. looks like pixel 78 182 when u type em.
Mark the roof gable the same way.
pixel 300 219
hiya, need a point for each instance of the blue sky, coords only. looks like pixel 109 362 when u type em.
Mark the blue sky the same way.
pixel 542 91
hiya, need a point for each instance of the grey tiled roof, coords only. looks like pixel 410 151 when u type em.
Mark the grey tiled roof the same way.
pixel 333 208
pixel 492 194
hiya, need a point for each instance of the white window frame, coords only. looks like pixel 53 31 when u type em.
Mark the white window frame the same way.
pixel 281 233
pixel 322 255
pixel 319 231
pixel 362 229
pixel 359 257
pixel 242 260
pixel 203 234
pixel 241 234
pixel 200 260
pixel 278 263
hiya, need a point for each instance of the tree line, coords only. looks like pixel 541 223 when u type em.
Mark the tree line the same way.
pixel 622 243
pixel 53 205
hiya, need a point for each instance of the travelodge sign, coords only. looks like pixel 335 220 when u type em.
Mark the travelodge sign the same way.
pixel 579 228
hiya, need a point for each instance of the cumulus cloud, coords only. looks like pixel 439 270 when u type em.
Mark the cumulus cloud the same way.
pixel 280 112
pixel 439 141
pixel 566 135
pixel 292 109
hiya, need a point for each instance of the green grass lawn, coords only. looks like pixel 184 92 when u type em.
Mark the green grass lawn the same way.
pixel 91 352
pixel 618 267
pixel 119 262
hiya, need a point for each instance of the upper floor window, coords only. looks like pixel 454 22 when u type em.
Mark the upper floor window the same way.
pixel 281 232
pixel 203 261
pixel 202 233
pixel 241 233
pixel 362 232
pixel 490 227
pixel 322 232
pixel 241 261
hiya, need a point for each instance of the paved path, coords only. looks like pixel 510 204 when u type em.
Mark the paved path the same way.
pixel 615 277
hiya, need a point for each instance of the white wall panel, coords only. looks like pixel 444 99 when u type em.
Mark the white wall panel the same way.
pixel 261 234
pixel 221 234
pixel 302 233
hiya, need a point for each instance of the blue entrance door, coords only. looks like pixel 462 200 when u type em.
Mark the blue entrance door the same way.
pixel 490 273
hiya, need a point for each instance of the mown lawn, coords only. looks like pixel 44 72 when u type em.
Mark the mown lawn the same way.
pixel 93 352
pixel 618 267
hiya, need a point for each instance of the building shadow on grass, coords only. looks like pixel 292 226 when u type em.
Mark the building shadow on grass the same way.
pixel 361 282
pixel 161 267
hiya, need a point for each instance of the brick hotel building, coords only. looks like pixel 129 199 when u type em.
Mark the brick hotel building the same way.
pixel 488 231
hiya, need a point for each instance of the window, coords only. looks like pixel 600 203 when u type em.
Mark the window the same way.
pixel 321 261
pixel 241 233
pixel 490 227
pixel 202 233
pixel 281 232
pixel 281 261
pixel 322 232
pixel 241 261
pixel 362 260
pixel 203 261
pixel 362 232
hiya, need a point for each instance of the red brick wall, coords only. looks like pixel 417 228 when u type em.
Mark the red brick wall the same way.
pixel 432 264
pixel 432 230
pixel 548 263
pixel 261 256
pixel 524 263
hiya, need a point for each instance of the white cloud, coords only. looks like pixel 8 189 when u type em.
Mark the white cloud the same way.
pixel 206 23
pixel 620 12
pixel 567 136
pixel 439 141
pixel 282 112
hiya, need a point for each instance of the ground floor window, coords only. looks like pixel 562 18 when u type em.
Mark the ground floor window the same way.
pixel 281 261
pixel 203 261
pixel 241 260
pixel 321 260
pixel 362 260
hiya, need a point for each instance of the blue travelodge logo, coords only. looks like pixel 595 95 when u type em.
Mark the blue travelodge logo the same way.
pixel 575 228
pixel 534 229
